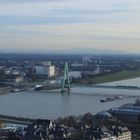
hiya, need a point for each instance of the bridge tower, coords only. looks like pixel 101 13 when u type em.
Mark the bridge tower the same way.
pixel 66 80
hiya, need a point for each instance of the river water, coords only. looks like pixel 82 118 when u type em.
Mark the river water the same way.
pixel 53 104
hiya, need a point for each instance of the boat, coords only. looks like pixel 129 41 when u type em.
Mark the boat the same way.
pixel 111 99
pixel 118 97
pixel 123 86
pixel 38 87
pixel 17 90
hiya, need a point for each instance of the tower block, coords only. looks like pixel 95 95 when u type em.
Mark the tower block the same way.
pixel 66 80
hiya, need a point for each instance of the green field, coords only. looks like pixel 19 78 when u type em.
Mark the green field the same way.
pixel 112 77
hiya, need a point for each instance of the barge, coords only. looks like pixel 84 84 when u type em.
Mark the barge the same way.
pixel 111 99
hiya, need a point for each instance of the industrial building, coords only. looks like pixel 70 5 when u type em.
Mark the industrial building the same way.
pixel 103 115
pixel 48 71
pixel 12 78
pixel 126 115
pixel 131 107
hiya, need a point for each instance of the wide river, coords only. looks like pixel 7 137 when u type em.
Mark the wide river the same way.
pixel 53 104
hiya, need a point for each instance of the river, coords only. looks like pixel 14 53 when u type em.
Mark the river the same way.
pixel 53 104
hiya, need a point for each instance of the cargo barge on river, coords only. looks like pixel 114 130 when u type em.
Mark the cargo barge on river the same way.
pixel 111 99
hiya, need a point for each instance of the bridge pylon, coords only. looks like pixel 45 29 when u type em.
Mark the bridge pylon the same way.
pixel 66 80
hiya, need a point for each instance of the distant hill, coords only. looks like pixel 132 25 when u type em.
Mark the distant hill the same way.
pixel 75 50
pixel 87 51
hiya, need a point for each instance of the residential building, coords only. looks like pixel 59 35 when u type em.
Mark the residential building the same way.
pixel 125 134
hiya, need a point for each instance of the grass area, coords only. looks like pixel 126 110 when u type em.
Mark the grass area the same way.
pixel 112 77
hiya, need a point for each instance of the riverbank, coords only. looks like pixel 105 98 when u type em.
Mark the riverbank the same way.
pixel 5 90
pixel 111 77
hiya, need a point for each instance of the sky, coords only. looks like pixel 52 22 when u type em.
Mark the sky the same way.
pixel 43 25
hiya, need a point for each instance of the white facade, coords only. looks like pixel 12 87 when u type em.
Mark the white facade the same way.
pixel 11 71
pixel 19 79
pixel 7 72
pixel 45 70
pixel 51 70
pixel 75 74
pixel 15 72
pixel 109 138
pixel 125 136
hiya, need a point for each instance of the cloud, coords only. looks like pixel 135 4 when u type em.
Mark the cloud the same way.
pixel 60 23
pixel 61 16
pixel 42 8
pixel 61 11
pixel 17 20
pixel 26 1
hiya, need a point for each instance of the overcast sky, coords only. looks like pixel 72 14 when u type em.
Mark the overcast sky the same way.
pixel 41 25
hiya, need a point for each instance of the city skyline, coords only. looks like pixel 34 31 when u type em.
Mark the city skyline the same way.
pixel 66 24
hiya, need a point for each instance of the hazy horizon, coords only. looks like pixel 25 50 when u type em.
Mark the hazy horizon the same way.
pixel 80 51
pixel 56 25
